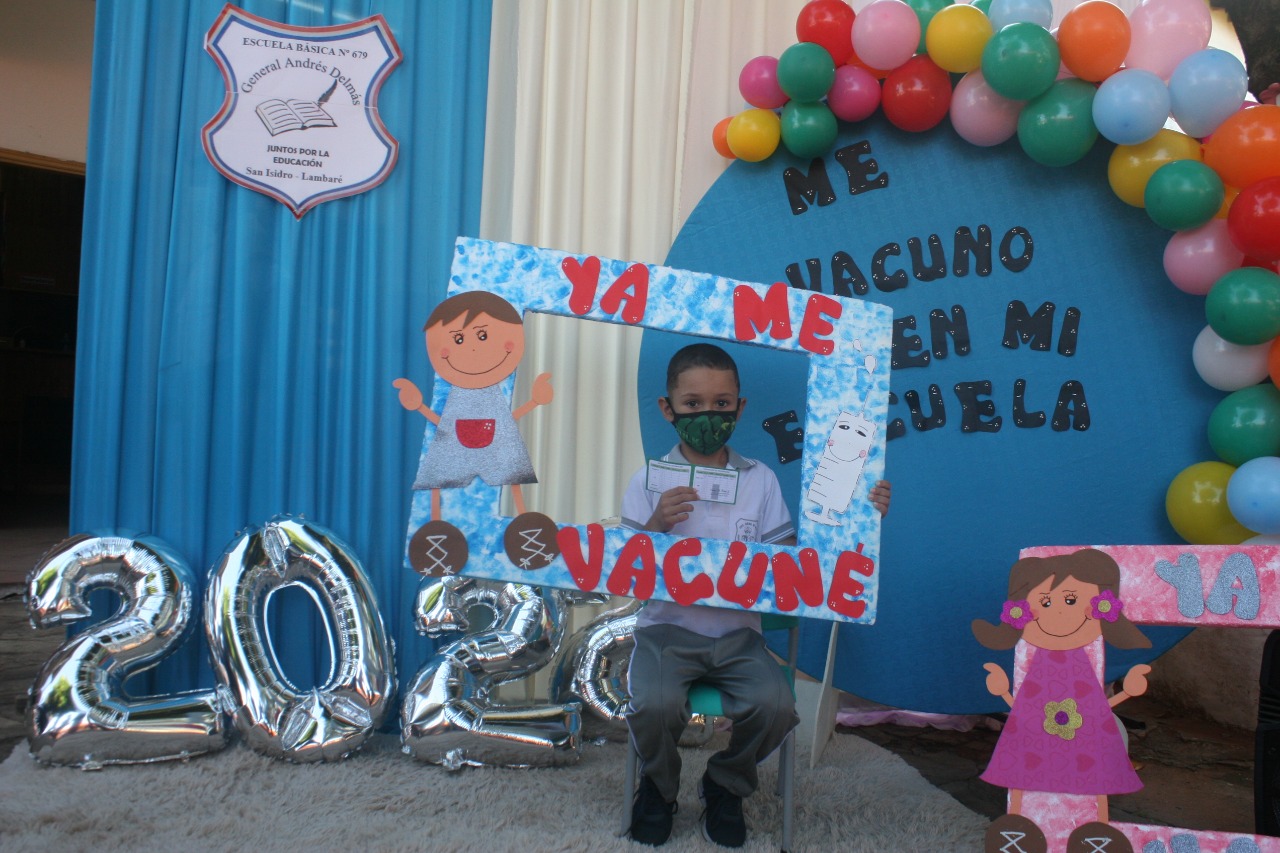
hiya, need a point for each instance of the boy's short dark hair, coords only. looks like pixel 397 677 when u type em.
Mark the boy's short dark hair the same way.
pixel 472 303
pixel 700 355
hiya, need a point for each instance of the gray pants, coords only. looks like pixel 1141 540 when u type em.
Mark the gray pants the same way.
pixel 754 691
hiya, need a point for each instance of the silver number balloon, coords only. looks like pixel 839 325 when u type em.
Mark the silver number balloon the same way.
pixel 593 669
pixel 449 715
pixel 78 713
pixel 275 717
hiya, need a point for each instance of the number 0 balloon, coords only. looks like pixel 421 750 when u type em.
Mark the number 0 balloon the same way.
pixel 276 718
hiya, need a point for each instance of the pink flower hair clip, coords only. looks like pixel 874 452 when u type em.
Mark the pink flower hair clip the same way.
pixel 1106 606
pixel 1016 613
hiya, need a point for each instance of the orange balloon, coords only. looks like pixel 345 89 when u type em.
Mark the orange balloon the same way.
pixel 1246 146
pixel 1093 40
pixel 1273 361
pixel 720 138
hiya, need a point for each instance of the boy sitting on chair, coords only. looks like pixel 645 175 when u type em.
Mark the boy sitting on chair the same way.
pixel 677 645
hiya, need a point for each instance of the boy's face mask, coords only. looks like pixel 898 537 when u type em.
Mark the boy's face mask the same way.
pixel 705 432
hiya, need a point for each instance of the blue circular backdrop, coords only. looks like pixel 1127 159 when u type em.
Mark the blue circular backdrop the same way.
pixel 1043 390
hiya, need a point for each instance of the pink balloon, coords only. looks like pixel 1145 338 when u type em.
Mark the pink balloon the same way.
pixel 855 94
pixel 981 116
pixel 1195 259
pixel 886 34
pixel 758 83
pixel 1164 32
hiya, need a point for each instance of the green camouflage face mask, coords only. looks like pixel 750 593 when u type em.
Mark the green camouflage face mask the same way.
pixel 705 432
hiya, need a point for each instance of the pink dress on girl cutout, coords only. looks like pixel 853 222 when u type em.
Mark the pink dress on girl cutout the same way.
pixel 1061 735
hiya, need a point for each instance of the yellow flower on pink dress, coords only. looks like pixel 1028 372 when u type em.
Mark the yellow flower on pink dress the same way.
pixel 1062 718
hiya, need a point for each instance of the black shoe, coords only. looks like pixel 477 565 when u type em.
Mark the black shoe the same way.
pixel 651 814
pixel 722 821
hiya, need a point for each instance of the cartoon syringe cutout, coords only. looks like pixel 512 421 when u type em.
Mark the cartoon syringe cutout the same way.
pixel 843 459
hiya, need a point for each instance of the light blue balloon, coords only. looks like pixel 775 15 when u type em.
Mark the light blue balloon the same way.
pixel 1131 106
pixel 1005 12
pixel 1206 87
pixel 1253 494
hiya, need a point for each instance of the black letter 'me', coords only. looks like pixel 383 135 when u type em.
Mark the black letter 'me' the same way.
pixel 813 188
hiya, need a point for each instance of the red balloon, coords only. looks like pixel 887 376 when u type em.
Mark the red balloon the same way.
pixel 1253 223
pixel 916 94
pixel 1274 266
pixel 828 23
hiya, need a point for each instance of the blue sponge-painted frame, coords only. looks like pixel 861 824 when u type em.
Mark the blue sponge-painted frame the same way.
pixel 847 342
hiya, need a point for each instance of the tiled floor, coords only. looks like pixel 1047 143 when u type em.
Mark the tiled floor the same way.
pixel 1197 774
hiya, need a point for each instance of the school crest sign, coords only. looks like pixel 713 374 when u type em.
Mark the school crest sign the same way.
pixel 299 121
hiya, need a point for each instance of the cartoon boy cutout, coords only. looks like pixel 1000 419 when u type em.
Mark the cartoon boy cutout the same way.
pixel 474 341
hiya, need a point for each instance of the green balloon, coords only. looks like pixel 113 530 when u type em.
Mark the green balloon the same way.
pixel 808 129
pixel 1246 424
pixel 1057 129
pixel 1243 306
pixel 984 6
pixel 806 71
pixel 1183 194
pixel 1021 61
pixel 925 10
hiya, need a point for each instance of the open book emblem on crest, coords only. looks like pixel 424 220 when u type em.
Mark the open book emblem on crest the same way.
pixel 281 116
pixel 299 121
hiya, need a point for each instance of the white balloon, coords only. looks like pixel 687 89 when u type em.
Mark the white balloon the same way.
pixel 1227 366
pixel 1263 539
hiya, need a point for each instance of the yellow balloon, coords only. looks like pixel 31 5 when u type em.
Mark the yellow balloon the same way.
pixel 1227 197
pixel 1196 504
pixel 956 36
pixel 1131 166
pixel 753 134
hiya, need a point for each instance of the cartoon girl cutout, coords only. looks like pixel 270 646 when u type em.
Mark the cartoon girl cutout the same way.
pixel 1061 735
pixel 475 340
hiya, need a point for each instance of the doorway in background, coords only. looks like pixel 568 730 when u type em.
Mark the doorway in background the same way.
pixel 41 210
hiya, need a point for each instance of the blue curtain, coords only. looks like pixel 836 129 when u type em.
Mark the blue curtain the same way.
pixel 234 363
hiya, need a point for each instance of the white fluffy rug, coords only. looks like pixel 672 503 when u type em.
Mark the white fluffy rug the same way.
pixel 859 798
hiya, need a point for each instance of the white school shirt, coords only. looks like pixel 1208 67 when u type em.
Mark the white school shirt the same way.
pixel 759 515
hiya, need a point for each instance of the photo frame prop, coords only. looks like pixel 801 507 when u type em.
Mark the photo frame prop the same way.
pixel 832 574
pixel 1226 586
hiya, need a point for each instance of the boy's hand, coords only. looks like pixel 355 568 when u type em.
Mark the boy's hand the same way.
pixel 411 399
pixel 542 391
pixel 674 506
pixel 410 396
pixel 880 496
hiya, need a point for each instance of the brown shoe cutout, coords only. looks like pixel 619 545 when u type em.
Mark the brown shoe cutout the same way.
pixel 530 541
pixel 1013 833
pixel 438 549
pixel 1096 837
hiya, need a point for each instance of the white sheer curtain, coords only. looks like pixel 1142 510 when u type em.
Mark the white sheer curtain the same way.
pixel 599 126
pixel 582 155
pixel 598 137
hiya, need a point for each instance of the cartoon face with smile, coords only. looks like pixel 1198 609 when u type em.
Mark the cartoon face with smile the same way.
pixel 480 345
pixel 1061 614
